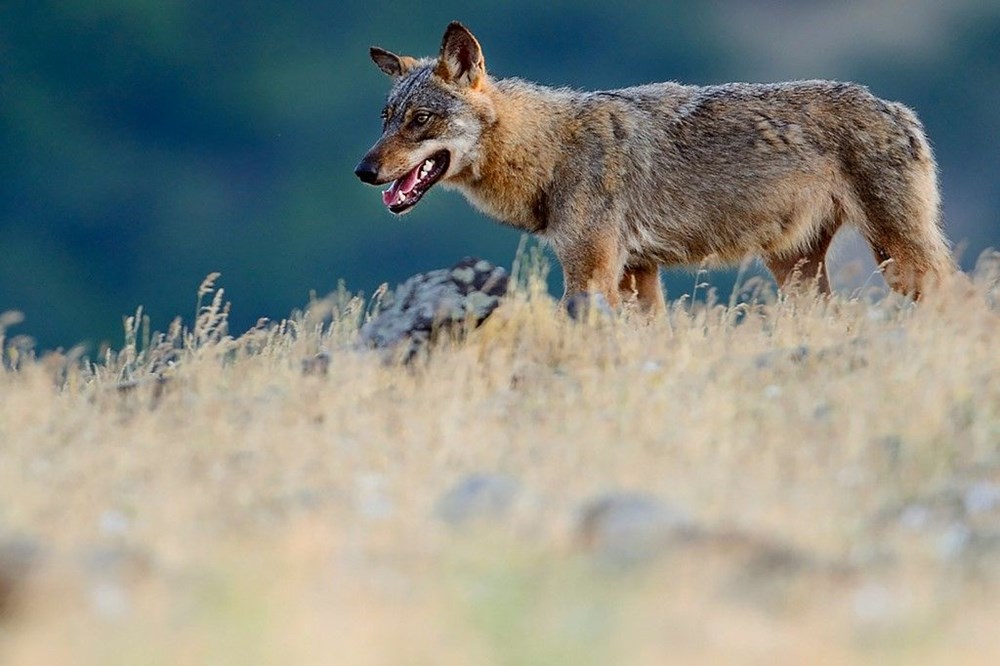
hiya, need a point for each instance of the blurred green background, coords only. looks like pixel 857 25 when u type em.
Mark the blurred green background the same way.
pixel 147 143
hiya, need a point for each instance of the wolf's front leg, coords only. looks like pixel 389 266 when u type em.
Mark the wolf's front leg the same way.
pixel 591 264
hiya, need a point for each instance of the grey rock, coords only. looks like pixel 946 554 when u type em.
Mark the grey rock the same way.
pixel 478 497
pixel 452 299
pixel 18 556
pixel 624 528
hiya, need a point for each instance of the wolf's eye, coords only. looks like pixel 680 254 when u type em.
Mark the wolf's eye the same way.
pixel 421 118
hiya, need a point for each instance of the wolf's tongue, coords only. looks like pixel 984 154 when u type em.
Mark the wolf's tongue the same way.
pixel 404 185
pixel 389 195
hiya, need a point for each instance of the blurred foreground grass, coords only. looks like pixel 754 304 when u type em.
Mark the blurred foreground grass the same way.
pixel 197 497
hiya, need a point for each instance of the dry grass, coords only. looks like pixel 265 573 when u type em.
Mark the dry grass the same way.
pixel 244 512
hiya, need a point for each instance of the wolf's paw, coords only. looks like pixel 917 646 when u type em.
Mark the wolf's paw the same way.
pixel 582 305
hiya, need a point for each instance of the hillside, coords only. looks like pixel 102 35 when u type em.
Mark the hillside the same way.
pixel 748 479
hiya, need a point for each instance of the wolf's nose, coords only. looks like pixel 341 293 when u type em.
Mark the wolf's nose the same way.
pixel 367 172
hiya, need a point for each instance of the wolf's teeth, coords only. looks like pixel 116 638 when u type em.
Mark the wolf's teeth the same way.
pixel 400 197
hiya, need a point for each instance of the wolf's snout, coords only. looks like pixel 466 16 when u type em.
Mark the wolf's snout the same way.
pixel 367 171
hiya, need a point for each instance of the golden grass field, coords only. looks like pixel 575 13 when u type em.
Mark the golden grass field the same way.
pixel 838 462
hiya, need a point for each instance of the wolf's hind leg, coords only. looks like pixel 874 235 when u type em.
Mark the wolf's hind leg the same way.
pixel 898 192
pixel 919 254
pixel 643 281
pixel 806 267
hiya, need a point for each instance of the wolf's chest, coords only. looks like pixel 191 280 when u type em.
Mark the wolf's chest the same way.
pixel 528 212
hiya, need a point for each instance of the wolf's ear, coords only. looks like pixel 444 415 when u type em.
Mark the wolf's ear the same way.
pixel 390 63
pixel 461 59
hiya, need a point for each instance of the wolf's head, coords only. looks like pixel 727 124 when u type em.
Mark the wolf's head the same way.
pixel 432 120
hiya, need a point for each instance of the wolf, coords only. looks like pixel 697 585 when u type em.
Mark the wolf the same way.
pixel 623 182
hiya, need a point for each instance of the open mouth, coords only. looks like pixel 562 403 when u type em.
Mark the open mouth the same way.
pixel 405 192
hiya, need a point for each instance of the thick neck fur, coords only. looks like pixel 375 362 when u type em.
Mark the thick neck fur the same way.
pixel 517 152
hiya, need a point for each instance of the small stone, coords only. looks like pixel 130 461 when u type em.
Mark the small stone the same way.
pixel 627 528
pixel 372 498
pixel 18 556
pixel 478 497
pixel 891 448
pixel 772 391
pixel 952 543
pixel 114 523
pixel 774 561
pixel 823 411
pixel 914 517
pixel 981 497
